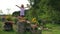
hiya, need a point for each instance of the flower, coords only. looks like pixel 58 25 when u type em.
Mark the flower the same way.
pixel 34 20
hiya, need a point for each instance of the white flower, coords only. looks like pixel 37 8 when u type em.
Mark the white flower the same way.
pixel 39 28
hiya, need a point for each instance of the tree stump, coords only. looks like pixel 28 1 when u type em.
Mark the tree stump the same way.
pixel 21 27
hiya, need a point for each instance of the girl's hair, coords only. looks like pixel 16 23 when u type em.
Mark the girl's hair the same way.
pixel 22 6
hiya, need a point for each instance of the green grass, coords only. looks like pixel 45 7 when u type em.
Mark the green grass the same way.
pixel 55 29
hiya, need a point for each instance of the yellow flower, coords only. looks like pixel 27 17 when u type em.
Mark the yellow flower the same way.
pixel 34 20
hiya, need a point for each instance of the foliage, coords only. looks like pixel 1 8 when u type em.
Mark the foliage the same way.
pixel 46 9
pixel 16 13
pixel 9 19
pixel 55 4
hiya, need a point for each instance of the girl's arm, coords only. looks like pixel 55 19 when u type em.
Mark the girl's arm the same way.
pixel 18 6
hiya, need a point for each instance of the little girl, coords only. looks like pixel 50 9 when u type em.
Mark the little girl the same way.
pixel 22 12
